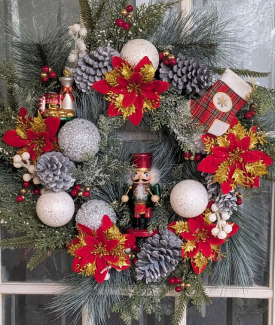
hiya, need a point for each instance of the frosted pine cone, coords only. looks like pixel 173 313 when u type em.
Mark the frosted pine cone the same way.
pixel 213 189
pixel 187 75
pixel 227 202
pixel 159 256
pixel 93 66
pixel 52 168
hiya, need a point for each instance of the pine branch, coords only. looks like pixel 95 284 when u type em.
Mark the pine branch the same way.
pixel 37 258
pixel 243 72
pixel 204 36
pixel 146 18
pixel 180 306
pixel 18 242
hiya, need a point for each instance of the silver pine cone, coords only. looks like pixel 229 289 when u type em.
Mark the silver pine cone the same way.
pixel 52 168
pixel 159 256
pixel 227 202
pixel 187 75
pixel 93 66
pixel 213 189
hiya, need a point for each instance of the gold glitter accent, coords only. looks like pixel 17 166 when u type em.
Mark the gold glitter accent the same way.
pixel 238 177
pixel 210 143
pixel 221 174
pixel 180 226
pixel 111 77
pixel 200 260
pixel 256 169
pixel 206 214
pixel 188 246
pixel 126 71
pixel 147 73
pixel 249 96
pixel 88 270
pixel 38 124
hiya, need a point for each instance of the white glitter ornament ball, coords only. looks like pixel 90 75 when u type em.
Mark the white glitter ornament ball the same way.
pixel 91 213
pixel 137 49
pixel 77 137
pixel 55 209
pixel 189 198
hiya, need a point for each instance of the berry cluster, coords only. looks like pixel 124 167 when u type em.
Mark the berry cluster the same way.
pixel 47 74
pixel 188 156
pixel 167 58
pixel 249 115
pixel 78 191
pixel 179 284
pixel 126 13
pixel 25 190
pixel 20 161
pixel 131 253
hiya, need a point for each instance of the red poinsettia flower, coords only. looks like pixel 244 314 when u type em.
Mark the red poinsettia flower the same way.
pixel 34 134
pixel 199 243
pixel 97 251
pixel 235 163
pixel 131 90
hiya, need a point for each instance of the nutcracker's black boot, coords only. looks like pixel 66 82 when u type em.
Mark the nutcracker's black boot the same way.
pixel 137 223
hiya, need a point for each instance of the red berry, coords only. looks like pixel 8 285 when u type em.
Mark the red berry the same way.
pixel 252 113
pixel 172 281
pixel 248 115
pixel 134 248
pixel 45 79
pixel 126 26
pixel 178 280
pixel 178 289
pixel 52 75
pixel 19 198
pixel 166 61
pixel 86 193
pixel 119 22
pixel 198 157
pixel 135 260
pixel 173 61
pixel 77 187
pixel 74 192
pixel 26 184
pixel 36 191
pixel 187 154
pixel 161 56
pixel 239 201
pixel 46 69
pixel 129 8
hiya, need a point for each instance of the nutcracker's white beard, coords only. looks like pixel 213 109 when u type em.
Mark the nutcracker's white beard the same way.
pixel 140 190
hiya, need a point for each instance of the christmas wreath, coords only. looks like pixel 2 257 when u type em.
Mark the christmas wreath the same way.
pixel 141 219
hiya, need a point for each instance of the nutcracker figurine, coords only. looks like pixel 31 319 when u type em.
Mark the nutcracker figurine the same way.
pixel 143 190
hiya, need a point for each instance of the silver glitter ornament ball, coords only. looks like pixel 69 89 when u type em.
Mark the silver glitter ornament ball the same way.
pixel 77 137
pixel 91 213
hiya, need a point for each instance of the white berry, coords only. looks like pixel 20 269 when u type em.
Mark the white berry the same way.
pixel 225 215
pixel 212 217
pixel 17 159
pixel 75 28
pixel 127 250
pixel 17 165
pixel 227 228
pixel 222 223
pixel 26 156
pixel 222 234
pixel 27 177
pixel 215 231
pixel 36 180
pixel 83 32
pixel 31 169
pixel 214 207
